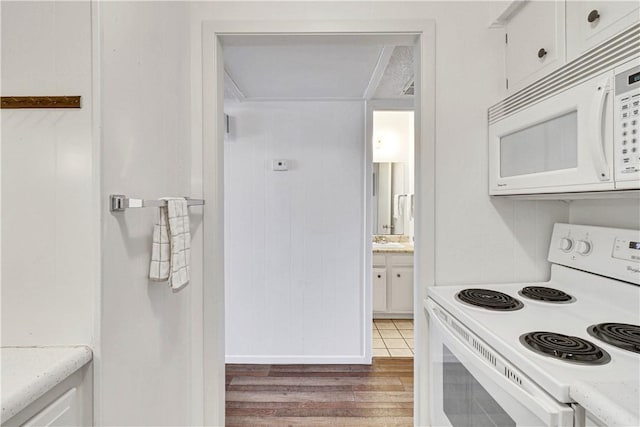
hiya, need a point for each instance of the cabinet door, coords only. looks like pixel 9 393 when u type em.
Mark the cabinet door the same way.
pixel 379 289
pixel 535 42
pixel 64 412
pixel 590 23
pixel 401 291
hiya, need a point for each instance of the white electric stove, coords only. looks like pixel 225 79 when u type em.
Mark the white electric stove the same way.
pixel 509 354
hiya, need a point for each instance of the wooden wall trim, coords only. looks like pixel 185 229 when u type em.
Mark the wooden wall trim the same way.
pixel 40 102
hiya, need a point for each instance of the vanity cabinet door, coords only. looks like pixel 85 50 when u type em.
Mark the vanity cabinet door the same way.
pixel 590 23
pixel 401 289
pixel 379 289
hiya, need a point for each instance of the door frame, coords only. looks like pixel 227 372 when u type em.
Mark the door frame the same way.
pixel 208 179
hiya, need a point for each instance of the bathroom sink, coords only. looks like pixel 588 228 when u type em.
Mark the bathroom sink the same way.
pixel 388 245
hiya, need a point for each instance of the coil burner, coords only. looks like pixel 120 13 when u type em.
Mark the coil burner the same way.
pixel 540 293
pixel 491 300
pixel 565 347
pixel 622 335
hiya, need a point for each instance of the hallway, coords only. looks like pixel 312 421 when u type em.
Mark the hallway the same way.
pixel 319 395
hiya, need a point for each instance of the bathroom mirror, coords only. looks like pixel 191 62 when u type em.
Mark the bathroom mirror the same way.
pixel 390 199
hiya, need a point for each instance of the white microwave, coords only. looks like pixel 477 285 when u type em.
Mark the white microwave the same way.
pixel 583 137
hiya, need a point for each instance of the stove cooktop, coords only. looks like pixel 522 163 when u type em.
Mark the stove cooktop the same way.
pixel 594 300
pixel 581 325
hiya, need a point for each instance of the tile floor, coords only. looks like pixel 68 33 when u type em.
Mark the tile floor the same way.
pixel 393 338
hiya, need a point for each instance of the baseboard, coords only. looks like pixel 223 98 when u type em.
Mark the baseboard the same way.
pixel 295 360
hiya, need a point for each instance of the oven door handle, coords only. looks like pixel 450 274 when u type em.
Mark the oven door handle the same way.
pixel 547 409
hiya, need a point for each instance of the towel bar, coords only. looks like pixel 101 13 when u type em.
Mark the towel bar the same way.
pixel 119 203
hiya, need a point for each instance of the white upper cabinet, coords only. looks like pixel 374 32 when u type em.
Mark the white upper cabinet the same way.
pixel 535 42
pixel 590 23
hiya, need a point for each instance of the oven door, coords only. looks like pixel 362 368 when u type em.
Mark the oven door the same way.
pixel 561 144
pixel 472 385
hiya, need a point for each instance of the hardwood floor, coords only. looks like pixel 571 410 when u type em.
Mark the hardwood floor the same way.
pixel 380 394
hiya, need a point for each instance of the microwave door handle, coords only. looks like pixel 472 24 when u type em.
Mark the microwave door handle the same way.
pixel 598 139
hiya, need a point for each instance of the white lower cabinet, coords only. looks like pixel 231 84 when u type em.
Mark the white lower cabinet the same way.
pixel 68 404
pixel 392 282
pixel 62 412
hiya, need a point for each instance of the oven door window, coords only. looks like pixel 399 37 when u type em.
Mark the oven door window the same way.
pixel 465 402
pixel 547 146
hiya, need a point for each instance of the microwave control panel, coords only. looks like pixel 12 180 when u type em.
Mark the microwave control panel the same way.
pixel 627 123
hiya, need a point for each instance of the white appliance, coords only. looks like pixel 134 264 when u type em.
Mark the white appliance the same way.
pixel 581 137
pixel 491 366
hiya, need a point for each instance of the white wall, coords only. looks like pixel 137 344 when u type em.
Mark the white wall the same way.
pixel 48 240
pixel 294 239
pixel 620 213
pixel 144 368
pixel 392 136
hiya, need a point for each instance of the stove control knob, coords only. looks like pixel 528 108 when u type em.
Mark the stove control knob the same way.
pixel 566 244
pixel 583 247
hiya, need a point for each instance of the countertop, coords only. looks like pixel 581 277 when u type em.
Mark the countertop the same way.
pixel 405 248
pixel 30 372
pixel 615 404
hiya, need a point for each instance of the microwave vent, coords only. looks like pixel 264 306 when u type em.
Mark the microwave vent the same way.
pixel 620 48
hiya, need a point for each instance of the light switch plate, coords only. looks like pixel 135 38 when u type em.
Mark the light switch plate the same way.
pixel 280 165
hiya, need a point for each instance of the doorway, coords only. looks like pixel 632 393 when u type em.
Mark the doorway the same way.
pixel 213 180
pixel 393 200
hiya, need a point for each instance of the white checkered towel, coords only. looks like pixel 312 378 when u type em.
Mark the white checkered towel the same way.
pixel 171 251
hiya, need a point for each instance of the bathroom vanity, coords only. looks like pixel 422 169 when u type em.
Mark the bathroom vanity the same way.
pixel 392 281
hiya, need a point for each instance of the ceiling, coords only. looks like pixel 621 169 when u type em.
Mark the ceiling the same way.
pixel 297 67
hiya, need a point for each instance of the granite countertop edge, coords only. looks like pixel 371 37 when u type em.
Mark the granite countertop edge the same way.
pixel 30 372
pixel 405 250
pixel 615 404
